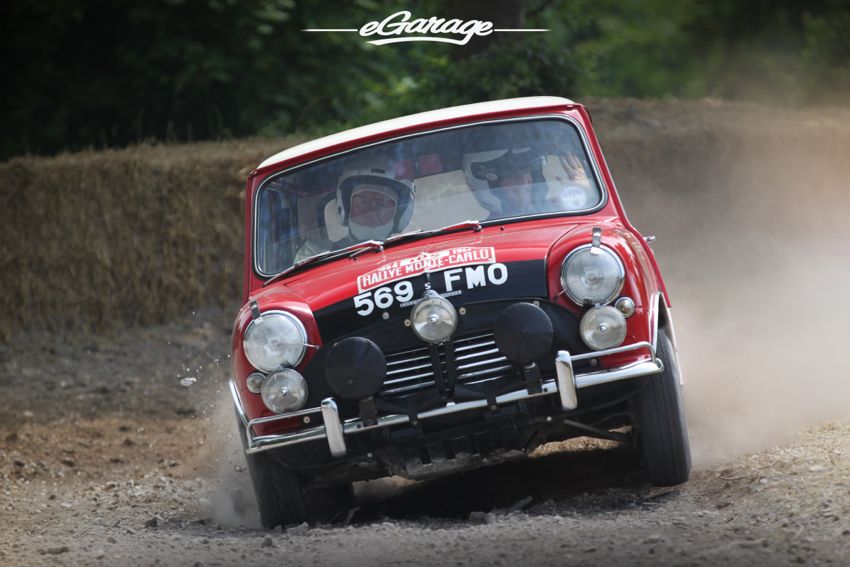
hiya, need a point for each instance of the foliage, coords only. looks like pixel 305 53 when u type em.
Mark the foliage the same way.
pixel 99 73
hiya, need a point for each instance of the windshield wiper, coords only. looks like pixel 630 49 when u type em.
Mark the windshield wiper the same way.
pixel 404 236
pixel 377 245
pixel 327 255
pixel 419 233
pixel 475 225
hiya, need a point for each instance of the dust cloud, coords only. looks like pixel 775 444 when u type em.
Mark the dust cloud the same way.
pixel 230 501
pixel 753 242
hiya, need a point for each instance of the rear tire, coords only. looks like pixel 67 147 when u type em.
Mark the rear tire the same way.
pixel 661 422
pixel 285 499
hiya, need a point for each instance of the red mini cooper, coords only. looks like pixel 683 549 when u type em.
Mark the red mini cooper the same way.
pixel 441 292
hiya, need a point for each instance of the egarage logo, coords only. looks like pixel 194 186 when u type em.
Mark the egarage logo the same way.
pixel 400 28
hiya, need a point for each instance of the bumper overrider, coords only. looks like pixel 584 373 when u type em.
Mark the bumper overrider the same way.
pixel 336 430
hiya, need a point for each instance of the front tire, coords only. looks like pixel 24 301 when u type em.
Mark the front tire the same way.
pixel 285 499
pixel 279 490
pixel 661 422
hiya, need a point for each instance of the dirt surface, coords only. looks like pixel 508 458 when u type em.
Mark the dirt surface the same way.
pixel 121 449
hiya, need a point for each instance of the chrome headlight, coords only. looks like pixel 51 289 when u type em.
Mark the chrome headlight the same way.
pixel 603 327
pixel 592 275
pixel 273 340
pixel 434 318
pixel 284 391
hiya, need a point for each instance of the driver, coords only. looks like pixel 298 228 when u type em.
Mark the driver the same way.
pixel 372 212
pixel 373 202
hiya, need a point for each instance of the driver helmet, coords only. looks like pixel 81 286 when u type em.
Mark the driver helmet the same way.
pixel 381 175
pixel 486 171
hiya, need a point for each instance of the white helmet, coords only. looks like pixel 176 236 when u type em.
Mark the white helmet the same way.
pixel 376 171
pixel 483 170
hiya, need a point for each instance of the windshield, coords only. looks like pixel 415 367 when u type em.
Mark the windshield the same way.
pixel 485 173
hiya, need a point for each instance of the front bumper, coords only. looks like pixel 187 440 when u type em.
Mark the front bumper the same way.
pixel 334 431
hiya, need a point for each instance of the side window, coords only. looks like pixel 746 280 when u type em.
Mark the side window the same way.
pixel 277 230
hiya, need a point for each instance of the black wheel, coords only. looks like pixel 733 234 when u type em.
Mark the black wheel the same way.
pixel 285 499
pixel 661 422
pixel 279 491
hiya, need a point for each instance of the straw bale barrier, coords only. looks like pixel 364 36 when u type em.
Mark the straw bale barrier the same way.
pixel 131 236
pixel 148 233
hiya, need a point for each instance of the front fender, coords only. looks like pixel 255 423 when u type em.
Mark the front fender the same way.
pixel 274 298
pixel 641 283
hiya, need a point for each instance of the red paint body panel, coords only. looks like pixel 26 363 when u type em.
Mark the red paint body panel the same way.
pixel 544 238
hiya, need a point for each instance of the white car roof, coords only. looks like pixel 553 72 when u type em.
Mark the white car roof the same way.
pixel 453 112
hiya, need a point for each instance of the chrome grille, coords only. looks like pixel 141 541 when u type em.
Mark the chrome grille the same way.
pixel 477 359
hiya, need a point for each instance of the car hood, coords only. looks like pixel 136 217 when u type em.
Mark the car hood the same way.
pixel 498 262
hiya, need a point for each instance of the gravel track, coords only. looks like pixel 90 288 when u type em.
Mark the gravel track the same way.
pixel 161 481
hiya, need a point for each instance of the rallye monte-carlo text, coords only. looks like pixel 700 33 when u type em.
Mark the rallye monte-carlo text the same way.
pixel 440 292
